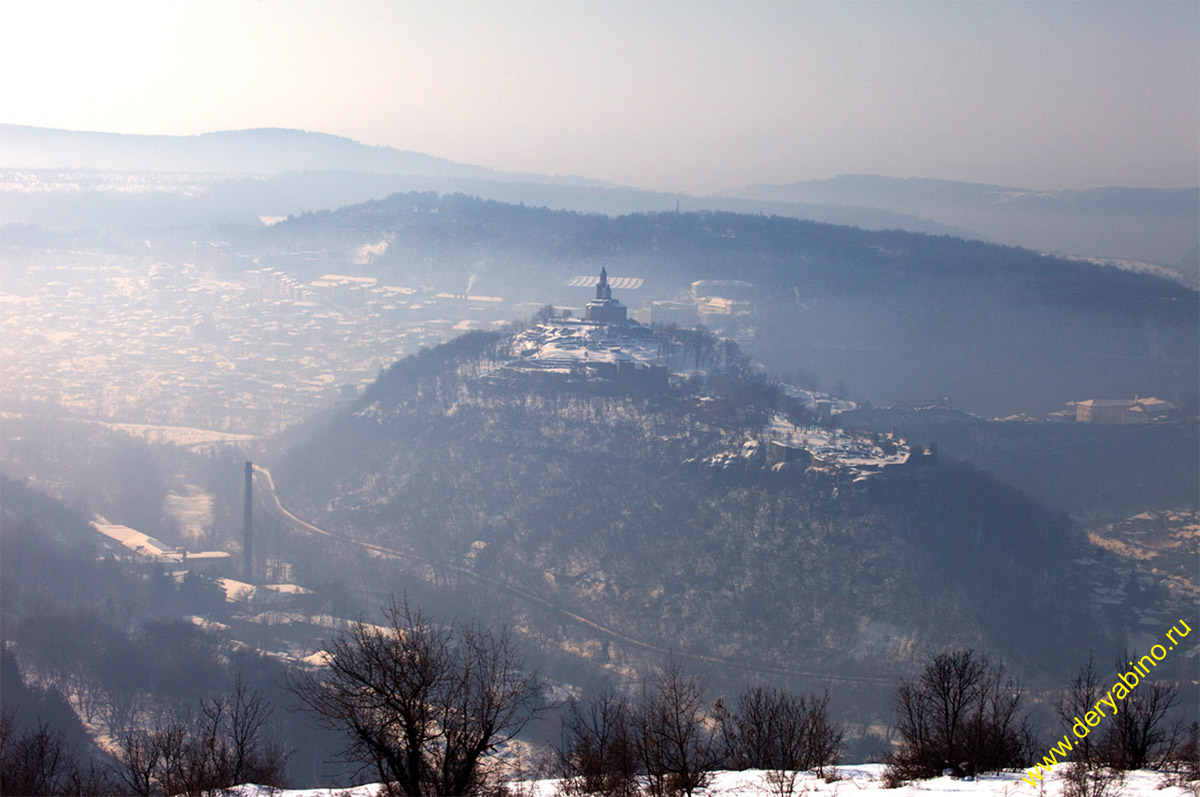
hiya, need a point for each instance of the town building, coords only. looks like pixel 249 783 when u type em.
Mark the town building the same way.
pixel 150 549
pixel 1124 411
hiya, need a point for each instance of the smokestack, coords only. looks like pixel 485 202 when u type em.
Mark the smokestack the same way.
pixel 248 527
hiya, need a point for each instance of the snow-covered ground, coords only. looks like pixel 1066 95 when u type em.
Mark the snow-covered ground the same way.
pixel 851 449
pixel 185 436
pixel 809 398
pixel 860 781
pixel 562 343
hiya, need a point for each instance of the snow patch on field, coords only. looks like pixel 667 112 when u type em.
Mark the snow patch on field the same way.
pixel 183 436
pixel 864 780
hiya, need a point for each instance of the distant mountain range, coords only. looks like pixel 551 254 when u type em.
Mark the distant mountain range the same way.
pixel 295 171
pixel 260 151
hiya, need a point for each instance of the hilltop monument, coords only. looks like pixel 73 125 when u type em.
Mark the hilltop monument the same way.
pixel 604 308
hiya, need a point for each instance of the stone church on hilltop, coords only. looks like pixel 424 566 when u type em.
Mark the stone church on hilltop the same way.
pixel 604 308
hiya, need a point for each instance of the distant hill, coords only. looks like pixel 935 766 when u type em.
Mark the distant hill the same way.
pixel 316 171
pixel 1158 225
pixel 139 183
pixel 261 151
pixel 890 314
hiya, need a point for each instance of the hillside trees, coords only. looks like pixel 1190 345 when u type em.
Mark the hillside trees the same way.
pixel 670 495
pixel 38 761
pixel 44 749
pixel 419 703
pixel 619 496
pixel 95 637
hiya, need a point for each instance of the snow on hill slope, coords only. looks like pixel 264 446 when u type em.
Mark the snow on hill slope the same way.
pixel 572 346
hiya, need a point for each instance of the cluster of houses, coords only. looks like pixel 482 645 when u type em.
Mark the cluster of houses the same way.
pixel 721 305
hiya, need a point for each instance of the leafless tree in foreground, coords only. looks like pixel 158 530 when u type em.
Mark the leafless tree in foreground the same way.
pixel 1079 698
pixel 1143 733
pixel 777 730
pixel 422 704
pixel 225 747
pixel 961 714
pixel 676 745
pixel 598 753
pixel 782 733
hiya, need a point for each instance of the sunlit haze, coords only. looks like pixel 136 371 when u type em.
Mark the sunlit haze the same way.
pixel 671 96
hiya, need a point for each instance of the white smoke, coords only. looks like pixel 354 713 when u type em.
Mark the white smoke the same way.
pixel 369 253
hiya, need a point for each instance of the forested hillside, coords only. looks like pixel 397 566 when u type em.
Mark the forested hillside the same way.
pixel 659 515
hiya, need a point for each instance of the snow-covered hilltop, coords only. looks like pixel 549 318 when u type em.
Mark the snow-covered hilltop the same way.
pixel 563 345
pixel 628 354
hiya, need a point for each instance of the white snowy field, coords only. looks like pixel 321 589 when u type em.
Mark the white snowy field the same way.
pixel 864 780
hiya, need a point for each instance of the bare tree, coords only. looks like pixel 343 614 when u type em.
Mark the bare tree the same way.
pixel 1142 734
pixel 118 686
pixel 1083 779
pixel 961 714
pixel 996 737
pixel 597 754
pixel 776 730
pixel 252 757
pixel 33 761
pixel 39 761
pixel 676 745
pixel 137 763
pixel 1182 768
pixel 224 747
pixel 422 704
pixel 1083 693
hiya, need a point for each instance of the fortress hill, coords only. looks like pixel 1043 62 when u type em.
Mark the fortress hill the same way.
pixel 604 345
pixel 608 350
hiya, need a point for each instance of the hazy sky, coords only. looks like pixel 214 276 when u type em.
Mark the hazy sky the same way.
pixel 667 95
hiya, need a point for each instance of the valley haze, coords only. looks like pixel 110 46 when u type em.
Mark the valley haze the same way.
pixel 624 398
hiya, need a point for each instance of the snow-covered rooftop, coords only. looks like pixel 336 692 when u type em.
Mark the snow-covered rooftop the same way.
pixel 148 546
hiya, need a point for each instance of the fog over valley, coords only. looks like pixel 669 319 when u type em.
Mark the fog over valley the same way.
pixel 544 424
